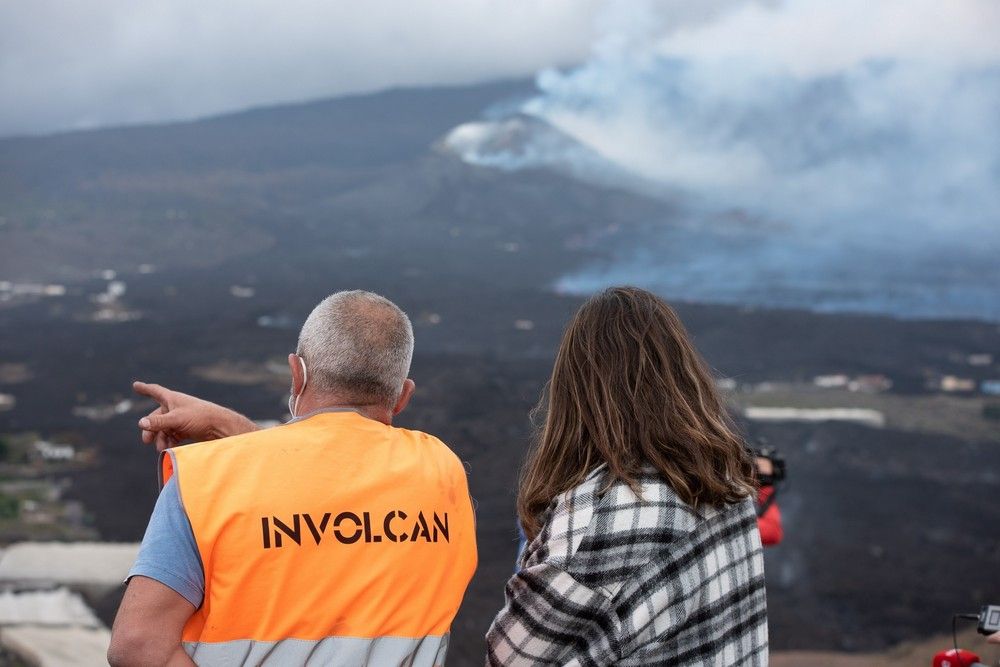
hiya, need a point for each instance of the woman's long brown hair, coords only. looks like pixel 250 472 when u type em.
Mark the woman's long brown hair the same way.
pixel 630 390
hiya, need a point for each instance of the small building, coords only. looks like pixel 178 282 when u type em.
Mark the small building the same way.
pixel 117 288
pixel 863 416
pixel 66 563
pixel 57 606
pixel 44 620
pixel 50 451
pixel 242 291
pixel 51 628
pixel 835 381
pixel 48 646
pixel 870 384
pixel 54 290
pixel 99 413
pixel 990 387
pixel 951 383
pixel 980 359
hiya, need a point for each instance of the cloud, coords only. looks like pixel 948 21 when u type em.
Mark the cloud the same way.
pixel 102 62
pixel 811 38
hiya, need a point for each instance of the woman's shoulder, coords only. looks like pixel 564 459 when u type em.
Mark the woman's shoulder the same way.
pixel 601 514
pixel 653 507
pixel 601 533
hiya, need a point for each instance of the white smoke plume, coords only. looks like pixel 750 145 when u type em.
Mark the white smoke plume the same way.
pixel 868 133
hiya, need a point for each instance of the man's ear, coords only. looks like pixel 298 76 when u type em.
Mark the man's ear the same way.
pixel 409 386
pixel 297 377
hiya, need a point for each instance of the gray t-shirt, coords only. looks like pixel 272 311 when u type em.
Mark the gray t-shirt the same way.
pixel 168 553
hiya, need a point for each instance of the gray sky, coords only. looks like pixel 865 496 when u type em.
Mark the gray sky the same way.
pixel 67 64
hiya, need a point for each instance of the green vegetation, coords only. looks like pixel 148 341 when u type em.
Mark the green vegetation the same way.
pixel 991 411
pixel 10 507
pixel 14 447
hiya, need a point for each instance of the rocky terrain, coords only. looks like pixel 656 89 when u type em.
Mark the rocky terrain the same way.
pixel 224 233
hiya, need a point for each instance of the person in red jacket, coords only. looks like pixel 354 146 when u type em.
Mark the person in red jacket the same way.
pixel 768 513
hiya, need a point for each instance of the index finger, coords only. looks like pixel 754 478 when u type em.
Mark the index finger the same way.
pixel 154 391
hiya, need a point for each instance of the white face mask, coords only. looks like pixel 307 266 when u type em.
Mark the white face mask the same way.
pixel 293 398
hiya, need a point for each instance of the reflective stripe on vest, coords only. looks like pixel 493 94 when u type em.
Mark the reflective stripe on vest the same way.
pixel 330 652
pixel 332 540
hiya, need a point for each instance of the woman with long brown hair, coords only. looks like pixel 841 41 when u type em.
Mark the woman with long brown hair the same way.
pixel 637 501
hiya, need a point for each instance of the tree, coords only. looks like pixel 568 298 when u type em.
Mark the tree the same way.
pixel 10 507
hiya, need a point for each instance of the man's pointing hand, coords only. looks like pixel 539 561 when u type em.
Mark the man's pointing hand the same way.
pixel 182 417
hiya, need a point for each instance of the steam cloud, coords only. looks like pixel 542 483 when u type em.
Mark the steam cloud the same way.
pixel 832 155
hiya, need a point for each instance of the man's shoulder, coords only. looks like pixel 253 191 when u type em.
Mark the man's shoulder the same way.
pixel 431 444
pixel 210 447
pixel 245 442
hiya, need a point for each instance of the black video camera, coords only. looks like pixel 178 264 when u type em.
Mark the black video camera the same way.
pixel 777 464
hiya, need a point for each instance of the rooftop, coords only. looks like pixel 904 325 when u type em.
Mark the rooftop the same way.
pixel 67 563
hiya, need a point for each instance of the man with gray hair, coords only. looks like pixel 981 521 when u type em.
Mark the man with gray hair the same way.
pixel 360 346
pixel 333 539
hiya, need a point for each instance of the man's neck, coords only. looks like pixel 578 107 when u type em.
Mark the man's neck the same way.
pixel 308 404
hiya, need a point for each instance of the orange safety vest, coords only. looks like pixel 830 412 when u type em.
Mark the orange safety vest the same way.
pixel 334 540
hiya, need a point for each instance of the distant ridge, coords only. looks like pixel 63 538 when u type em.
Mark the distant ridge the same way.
pixel 490 89
pixel 351 131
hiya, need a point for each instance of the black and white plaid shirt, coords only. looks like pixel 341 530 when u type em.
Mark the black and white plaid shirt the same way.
pixel 615 580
